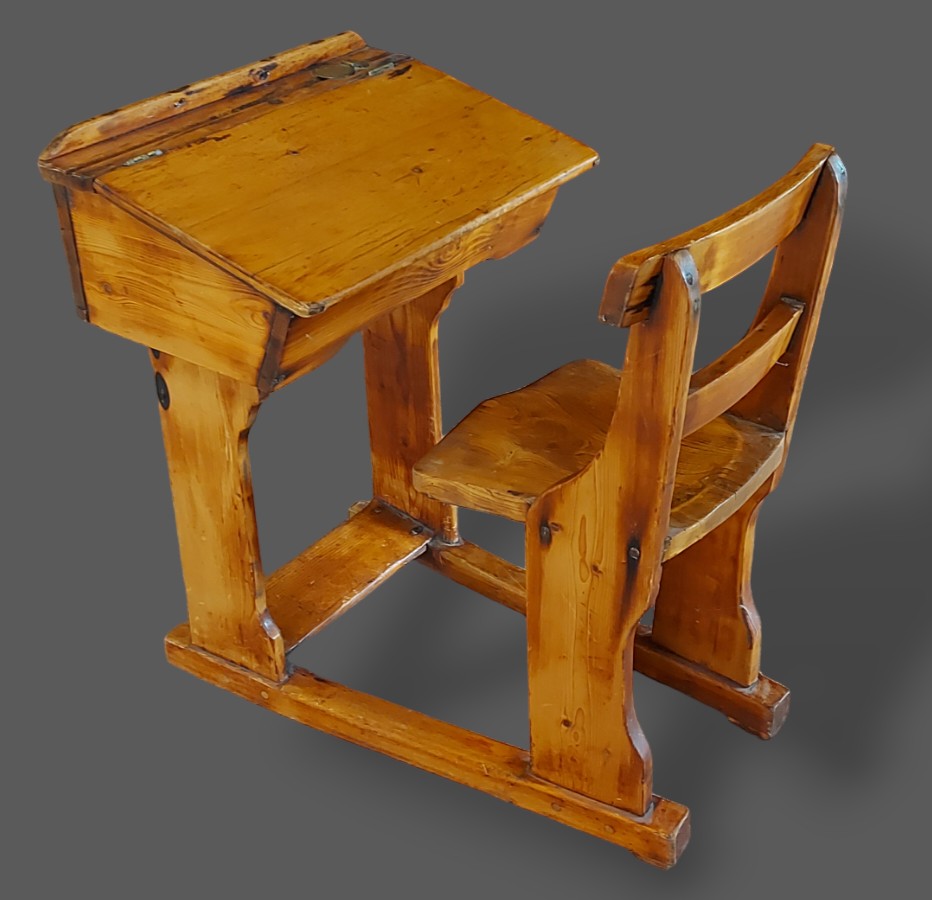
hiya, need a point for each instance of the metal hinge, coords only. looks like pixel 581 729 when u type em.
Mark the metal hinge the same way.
pixel 143 157
pixel 347 68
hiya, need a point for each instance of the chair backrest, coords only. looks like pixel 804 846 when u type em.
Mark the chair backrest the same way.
pixel 760 377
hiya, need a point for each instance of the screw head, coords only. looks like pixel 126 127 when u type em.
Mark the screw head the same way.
pixel 161 391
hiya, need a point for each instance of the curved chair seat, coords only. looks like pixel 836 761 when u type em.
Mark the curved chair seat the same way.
pixel 512 448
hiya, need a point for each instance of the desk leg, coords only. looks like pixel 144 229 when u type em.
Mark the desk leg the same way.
pixel 205 424
pixel 403 390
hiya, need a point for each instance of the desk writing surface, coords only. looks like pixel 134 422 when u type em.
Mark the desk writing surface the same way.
pixel 315 195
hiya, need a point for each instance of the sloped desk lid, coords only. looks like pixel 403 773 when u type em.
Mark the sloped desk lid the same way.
pixel 319 171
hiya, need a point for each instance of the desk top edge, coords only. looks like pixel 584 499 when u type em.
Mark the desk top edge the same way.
pixel 84 157
pixel 71 149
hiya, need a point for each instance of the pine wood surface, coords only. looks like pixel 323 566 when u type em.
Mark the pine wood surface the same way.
pixel 181 109
pixel 403 398
pixel 498 769
pixel 721 248
pixel 716 388
pixel 206 419
pixel 245 226
pixel 318 188
pixel 593 546
pixel 511 448
pixel 760 708
pixel 336 572
pixel 140 284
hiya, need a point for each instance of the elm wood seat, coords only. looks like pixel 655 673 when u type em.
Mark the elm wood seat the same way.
pixel 641 489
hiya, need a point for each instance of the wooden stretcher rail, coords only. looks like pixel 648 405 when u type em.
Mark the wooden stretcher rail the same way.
pixel 496 768
pixel 760 709
pixel 335 573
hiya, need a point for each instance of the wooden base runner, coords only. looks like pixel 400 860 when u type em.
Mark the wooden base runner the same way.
pixel 760 709
pixel 659 837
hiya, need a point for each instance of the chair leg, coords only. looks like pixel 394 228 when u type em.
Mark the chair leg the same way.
pixel 706 635
pixel 585 735
pixel 205 422
pixel 704 611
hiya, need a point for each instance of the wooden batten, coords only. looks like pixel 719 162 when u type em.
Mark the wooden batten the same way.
pixel 346 565
pixel 721 384
pixel 90 143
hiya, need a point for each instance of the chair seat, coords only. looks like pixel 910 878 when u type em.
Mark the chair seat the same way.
pixel 511 448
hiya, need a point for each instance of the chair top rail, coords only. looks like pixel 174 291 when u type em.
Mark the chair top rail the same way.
pixel 722 248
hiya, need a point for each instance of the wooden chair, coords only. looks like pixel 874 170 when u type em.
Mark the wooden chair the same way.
pixel 642 489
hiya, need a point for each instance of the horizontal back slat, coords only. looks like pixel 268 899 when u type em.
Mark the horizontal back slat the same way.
pixel 723 383
pixel 722 248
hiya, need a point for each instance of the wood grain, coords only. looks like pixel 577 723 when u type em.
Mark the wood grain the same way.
pixel 143 286
pixel 705 610
pixel 334 574
pixel 759 709
pixel 801 269
pixel 403 395
pixel 479 570
pixel 206 419
pixel 66 227
pixel 181 107
pixel 721 384
pixel 391 169
pixel 594 545
pixel 721 248
pixel 512 448
pixel 498 769
pixel 313 340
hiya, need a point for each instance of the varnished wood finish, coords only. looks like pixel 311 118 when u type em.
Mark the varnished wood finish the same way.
pixel 144 286
pixel 478 569
pixel 721 384
pixel 403 392
pixel 801 269
pixel 66 226
pixel 206 419
pixel 721 248
pixel 512 448
pixel 248 225
pixel 594 545
pixel 311 341
pixel 346 565
pixel 182 108
pixel 705 611
pixel 616 476
pixel 760 708
pixel 384 183
pixel 498 769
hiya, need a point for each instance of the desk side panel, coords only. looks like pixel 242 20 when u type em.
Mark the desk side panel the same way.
pixel 143 286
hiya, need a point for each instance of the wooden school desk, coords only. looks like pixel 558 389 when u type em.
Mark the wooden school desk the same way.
pixel 242 229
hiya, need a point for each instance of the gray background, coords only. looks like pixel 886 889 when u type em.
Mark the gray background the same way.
pixel 130 778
